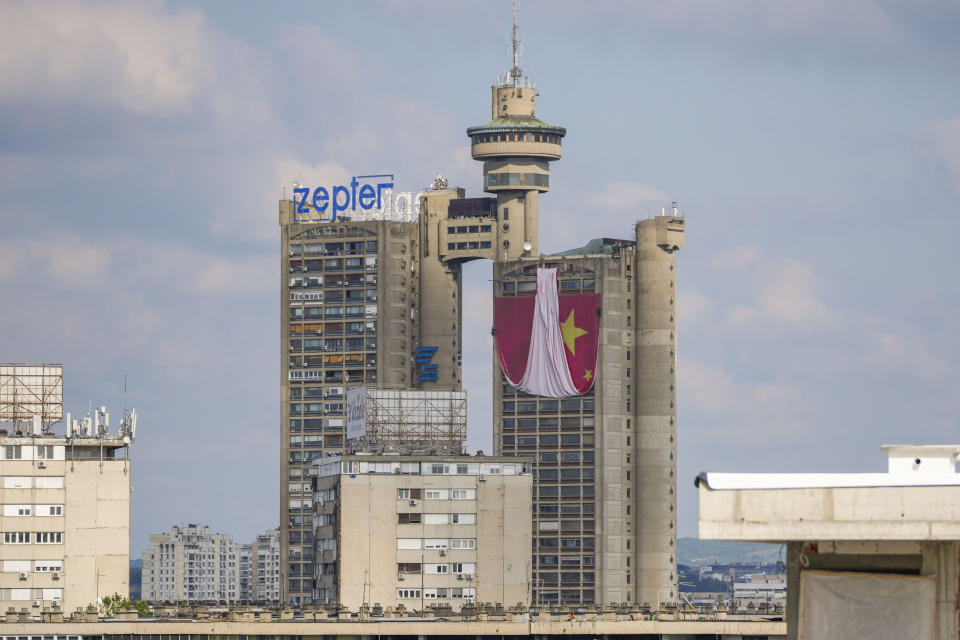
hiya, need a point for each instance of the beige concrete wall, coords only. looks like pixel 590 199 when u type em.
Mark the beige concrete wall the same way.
pixel 851 513
pixel 439 309
pixel 95 528
pixel 368 531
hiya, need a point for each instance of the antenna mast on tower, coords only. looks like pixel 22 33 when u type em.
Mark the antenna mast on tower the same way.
pixel 516 72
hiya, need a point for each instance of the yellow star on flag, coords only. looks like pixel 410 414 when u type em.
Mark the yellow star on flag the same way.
pixel 587 375
pixel 570 333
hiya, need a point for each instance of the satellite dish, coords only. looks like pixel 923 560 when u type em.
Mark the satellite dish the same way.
pixel 527 247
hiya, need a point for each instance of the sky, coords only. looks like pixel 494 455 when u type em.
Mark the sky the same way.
pixel 813 147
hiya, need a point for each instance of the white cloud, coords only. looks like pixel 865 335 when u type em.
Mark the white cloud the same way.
pixel 903 349
pixel 784 293
pixel 118 54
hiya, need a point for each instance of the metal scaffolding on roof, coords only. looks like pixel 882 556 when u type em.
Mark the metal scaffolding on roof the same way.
pixel 413 420
pixel 28 390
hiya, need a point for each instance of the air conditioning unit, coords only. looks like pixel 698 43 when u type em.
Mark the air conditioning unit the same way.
pixel 413 502
pixel 443 552
pixel 459 576
pixel 41 465
pixel 483 478
pixel 401 578
pixel 36 603
pixel 23 575
pixel 56 575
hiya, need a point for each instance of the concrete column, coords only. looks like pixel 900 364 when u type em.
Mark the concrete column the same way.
pixel 531 213
pixel 655 447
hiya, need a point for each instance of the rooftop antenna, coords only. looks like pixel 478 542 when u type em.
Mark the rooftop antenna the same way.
pixel 516 72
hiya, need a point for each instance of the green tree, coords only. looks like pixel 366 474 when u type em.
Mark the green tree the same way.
pixel 110 606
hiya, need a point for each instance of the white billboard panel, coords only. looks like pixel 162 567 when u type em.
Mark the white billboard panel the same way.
pixel 356 412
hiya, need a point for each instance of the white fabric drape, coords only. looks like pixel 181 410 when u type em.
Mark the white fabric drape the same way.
pixel 547 373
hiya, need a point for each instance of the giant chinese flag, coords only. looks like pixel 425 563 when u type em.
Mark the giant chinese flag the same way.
pixel 547 344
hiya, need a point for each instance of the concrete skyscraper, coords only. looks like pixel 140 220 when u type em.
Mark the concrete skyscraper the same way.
pixel 372 298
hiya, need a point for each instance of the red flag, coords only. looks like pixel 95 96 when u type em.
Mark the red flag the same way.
pixel 580 326
pixel 542 328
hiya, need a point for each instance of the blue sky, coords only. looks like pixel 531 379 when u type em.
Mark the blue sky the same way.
pixel 814 148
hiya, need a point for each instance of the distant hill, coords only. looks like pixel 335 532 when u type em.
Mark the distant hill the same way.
pixel 693 551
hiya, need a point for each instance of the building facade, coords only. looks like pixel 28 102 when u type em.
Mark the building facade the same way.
pixel 190 564
pixel 422 530
pixel 604 515
pixel 259 569
pixel 378 303
pixel 65 520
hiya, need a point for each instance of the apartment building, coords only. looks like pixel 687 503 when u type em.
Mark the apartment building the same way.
pixel 259 569
pixel 422 530
pixel 190 564
pixel 65 520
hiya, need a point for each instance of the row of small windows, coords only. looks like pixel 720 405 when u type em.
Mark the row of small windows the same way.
pixel 41 452
pixel 565 543
pixel 414 493
pixel 517 137
pixel 436 518
pixel 545 440
pixel 516 179
pixel 481 228
pixel 545 405
pixel 27 537
pixel 566 491
pixel 335 376
pixel 335 264
pixel 574 473
pixel 511 424
pixel 466 593
pixel 335 311
pixel 333 248
pixel 529 287
pixel 461 246
pixel 335 344
pixel 572 508
pixel 334 328
pixel 436 543
pixel 331 280
pixel 12 510
pixel 350 359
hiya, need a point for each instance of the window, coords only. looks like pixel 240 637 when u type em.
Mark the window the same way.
pixel 435 543
pixel 408 518
pixel 408 567
pixel 436 494
pixel 13 452
pixel 16 537
pixel 462 494
pixel 463 543
pixel 409 494
pixel 463 518
pixel 408 593
pixel 436 518
pixel 439 469
pixel 462 469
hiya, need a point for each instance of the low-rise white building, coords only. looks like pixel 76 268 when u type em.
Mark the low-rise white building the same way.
pixel 869 555
pixel 422 530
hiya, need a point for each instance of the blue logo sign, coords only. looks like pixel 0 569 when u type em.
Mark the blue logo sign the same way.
pixel 365 191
